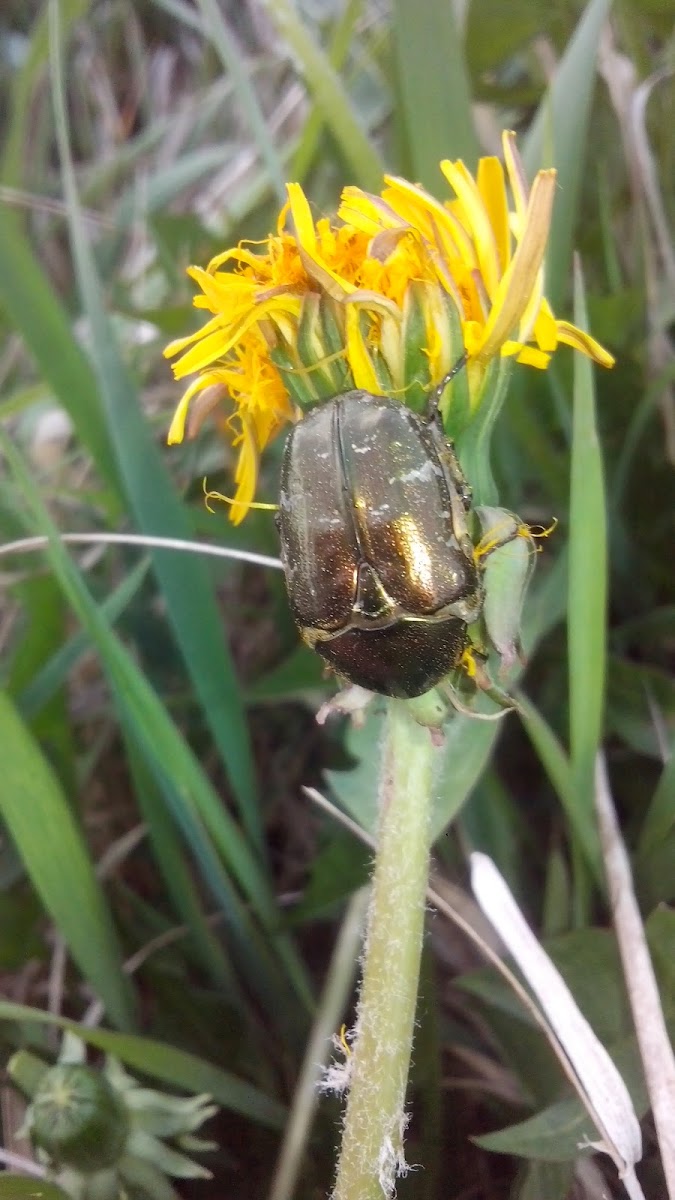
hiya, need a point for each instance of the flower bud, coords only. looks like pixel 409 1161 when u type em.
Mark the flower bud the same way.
pixel 78 1118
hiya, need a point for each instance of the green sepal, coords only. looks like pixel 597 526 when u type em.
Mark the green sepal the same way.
pixel 333 339
pixel 416 382
pixel 27 1071
pixel 456 403
pixel 312 351
pixel 380 366
pixel 293 375
pixel 473 444
pixel 507 572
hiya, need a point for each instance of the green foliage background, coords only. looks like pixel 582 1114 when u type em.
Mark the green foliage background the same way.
pixel 156 713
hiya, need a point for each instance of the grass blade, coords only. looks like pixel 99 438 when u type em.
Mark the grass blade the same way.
pixel 557 767
pixel 40 820
pixel 52 674
pixel 193 803
pixel 558 137
pixel 435 90
pixel 168 852
pixel 330 96
pixel 660 816
pixel 42 635
pixel 35 311
pixel 587 587
pixel 314 125
pixel 191 605
pixel 231 57
pixel 26 79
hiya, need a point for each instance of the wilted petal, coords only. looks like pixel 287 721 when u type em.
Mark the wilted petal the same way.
pixel 571 336
pixel 516 173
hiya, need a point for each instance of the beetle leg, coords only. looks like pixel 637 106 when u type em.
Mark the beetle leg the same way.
pixel 464 490
pixel 436 395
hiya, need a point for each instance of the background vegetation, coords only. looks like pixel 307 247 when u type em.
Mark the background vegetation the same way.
pixel 157 713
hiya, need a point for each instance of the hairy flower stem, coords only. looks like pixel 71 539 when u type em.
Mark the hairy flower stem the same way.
pixel 372 1146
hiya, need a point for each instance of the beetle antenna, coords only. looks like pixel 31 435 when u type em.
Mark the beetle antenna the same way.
pixel 436 395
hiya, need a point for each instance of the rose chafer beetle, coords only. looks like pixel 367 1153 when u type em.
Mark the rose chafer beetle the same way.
pixel 380 570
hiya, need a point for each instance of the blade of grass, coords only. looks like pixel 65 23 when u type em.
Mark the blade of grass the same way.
pixel 330 96
pixel 587 588
pixel 558 138
pixel 337 54
pixel 557 767
pixel 161 1061
pixel 434 87
pixel 53 673
pixel 186 588
pixel 35 311
pixel 41 823
pixel 168 852
pixel 335 997
pixel 25 81
pixel 25 396
pixel 43 629
pixel 660 816
pixel 197 809
pixel 232 59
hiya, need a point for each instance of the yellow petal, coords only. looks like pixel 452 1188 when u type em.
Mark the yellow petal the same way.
pixel 178 344
pixel 472 335
pixel 368 213
pixel 246 475
pixel 237 254
pixel 223 289
pixel 301 215
pixel 475 219
pixel 437 224
pixel 492 187
pixel 177 427
pixel 546 328
pixel 316 267
pixel 359 360
pixel 529 355
pixel 217 344
pixel 516 286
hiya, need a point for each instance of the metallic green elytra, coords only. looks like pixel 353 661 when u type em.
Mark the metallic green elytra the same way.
pixel 379 567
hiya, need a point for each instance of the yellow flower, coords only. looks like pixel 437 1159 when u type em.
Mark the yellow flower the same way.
pixel 385 297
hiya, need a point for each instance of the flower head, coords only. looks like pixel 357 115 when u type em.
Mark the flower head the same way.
pixel 385 298
pixel 98 1130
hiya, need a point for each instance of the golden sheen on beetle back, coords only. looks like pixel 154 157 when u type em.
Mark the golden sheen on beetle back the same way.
pixel 380 570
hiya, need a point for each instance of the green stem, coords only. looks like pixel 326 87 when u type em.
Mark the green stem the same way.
pixel 372 1144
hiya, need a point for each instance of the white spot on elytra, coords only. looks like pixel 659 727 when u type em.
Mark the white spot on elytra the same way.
pixel 422 474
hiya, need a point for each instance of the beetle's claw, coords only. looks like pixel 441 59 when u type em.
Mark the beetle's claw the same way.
pixel 353 701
